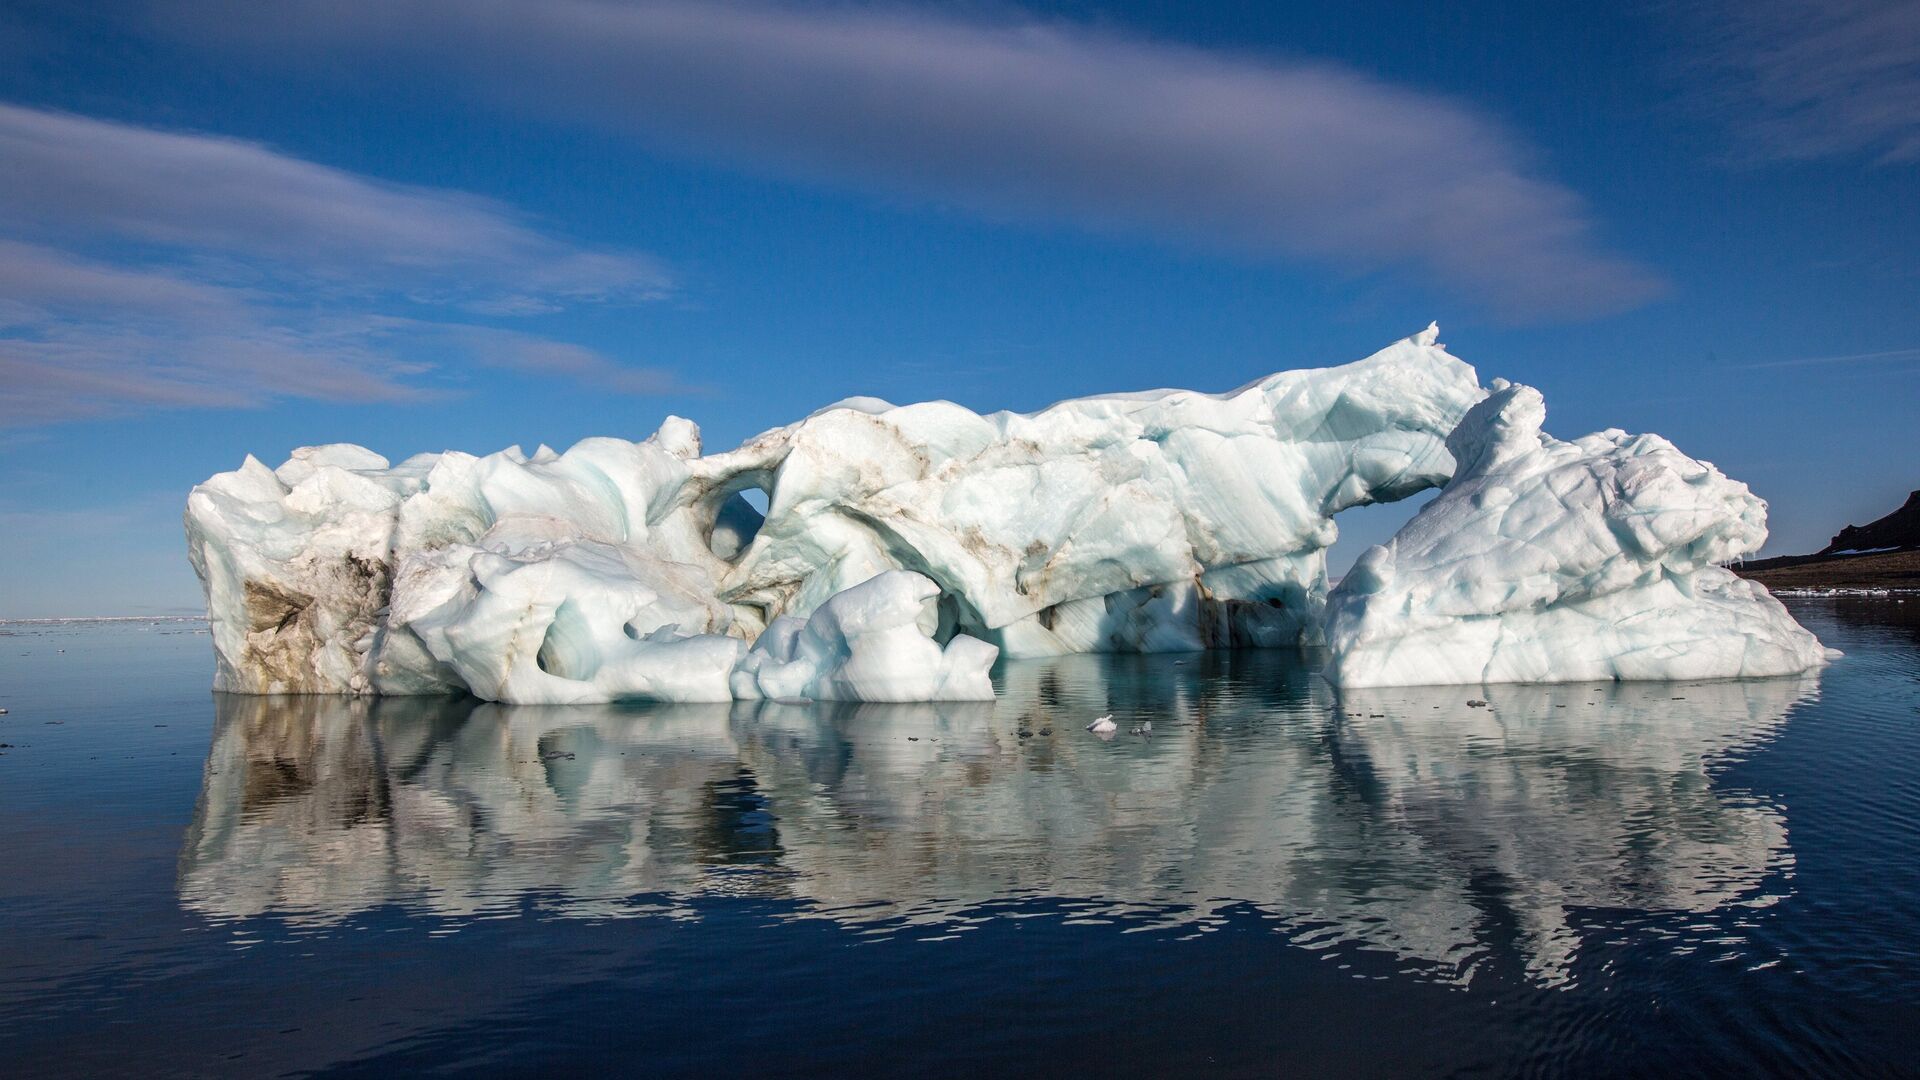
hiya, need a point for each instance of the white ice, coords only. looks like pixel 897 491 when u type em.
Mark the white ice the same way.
pixel 1548 561
pixel 1156 521
pixel 866 644
pixel 520 579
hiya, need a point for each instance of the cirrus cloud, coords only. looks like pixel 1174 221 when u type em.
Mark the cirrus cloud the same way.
pixel 1049 121
pixel 153 269
pixel 1798 79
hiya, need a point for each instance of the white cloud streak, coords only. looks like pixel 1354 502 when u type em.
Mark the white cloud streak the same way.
pixel 1889 356
pixel 149 269
pixel 1048 121
pixel 120 182
pixel 1805 79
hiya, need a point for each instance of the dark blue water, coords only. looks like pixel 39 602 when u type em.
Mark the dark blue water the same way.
pixel 1703 878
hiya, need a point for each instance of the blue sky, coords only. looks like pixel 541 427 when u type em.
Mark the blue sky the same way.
pixel 421 224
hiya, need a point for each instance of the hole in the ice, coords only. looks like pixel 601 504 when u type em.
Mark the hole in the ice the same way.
pixel 739 509
pixel 1361 527
pixel 955 616
pixel 568 650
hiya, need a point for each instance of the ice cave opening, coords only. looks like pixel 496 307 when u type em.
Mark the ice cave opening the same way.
pixel 735 513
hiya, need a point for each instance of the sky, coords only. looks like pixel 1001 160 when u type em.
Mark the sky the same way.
pixel 240 228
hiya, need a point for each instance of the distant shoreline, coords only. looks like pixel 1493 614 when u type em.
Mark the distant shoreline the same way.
pixel 102 618
pixel 1868 573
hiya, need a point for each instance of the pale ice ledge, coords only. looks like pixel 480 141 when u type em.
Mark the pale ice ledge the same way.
pixel 1547 561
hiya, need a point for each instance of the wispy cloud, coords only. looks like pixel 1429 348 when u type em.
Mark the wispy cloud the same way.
pixel 1802 79
pixel 1888 356
pixel 1044 120
pixel 119 182
pixel 512 350
pixel 151 269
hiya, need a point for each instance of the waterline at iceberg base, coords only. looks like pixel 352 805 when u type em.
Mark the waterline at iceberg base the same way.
pixel 904 548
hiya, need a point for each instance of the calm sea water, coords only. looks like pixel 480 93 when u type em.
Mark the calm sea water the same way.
pixel 1705 878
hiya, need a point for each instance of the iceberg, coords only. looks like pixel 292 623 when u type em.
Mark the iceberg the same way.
pixel 1546 561
pixel 904 548
pixel 1165 520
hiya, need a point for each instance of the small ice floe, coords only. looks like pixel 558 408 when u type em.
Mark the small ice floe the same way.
pixel 1103 725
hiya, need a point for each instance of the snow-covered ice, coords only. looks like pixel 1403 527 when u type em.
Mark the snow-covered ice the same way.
pixel 1550 561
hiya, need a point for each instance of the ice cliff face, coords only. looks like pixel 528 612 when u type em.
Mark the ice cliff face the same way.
pixel 1550 561
pixel 1155 521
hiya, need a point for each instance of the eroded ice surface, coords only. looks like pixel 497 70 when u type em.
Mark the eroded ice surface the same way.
pixel 866 644
pixel 1161 521
pixel 1156 521
pixel 1551 561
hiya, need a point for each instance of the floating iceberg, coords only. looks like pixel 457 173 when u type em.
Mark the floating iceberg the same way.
pixel 1549 561
pixel 904 547
pixel 1158 521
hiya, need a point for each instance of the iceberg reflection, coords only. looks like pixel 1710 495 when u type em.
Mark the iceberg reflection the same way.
pixel 1398 820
